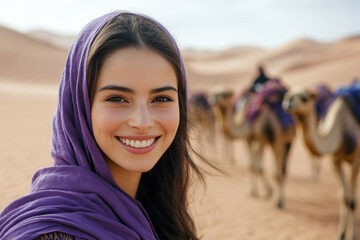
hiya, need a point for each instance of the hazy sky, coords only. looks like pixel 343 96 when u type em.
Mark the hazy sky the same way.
pixel 205 24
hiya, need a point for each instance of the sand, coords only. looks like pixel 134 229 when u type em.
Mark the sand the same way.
pixel 225 210
pixel 25 126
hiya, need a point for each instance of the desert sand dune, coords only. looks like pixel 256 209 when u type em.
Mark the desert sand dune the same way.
pixel 195 55
pixel 56 40
pixel 29 74
pixel 299 63
pixel 23 58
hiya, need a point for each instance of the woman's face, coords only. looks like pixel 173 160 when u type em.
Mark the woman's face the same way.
pixel 135 109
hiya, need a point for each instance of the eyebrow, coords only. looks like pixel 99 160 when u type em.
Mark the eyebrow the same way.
pixel 129 90
pixel 163 89
pixel 117 88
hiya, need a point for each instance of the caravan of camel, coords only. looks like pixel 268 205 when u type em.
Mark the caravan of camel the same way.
pixel 328 122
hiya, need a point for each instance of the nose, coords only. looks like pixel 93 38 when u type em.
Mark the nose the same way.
pixel 141 118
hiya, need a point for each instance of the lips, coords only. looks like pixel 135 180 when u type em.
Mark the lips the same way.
pixel 139 144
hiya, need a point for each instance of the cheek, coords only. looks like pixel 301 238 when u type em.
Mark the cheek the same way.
pixel 170 120
pixel 104 122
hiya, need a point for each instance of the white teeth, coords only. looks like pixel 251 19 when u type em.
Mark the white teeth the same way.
pixel 137 143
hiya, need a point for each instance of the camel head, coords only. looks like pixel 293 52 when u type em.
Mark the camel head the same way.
pixel 221 97
pixel 200 110
pixel 299 101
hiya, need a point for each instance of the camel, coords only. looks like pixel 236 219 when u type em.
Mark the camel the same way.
pixel 337 135
pixel 202 124
pixel 224 142
pixel 265 130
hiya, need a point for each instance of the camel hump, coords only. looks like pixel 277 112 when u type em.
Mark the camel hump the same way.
pixel 351 96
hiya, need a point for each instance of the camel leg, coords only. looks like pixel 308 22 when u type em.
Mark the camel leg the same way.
pixel 227 149
pixel 261 173
pixel 212 142
pixel 280 156
pixel 230 151
pixel 253 169
pixel 351 203
pixel 316 166
pixel 258 149
pixel 219 142
pixel 343 200
pixel 284 162
pixel 283 165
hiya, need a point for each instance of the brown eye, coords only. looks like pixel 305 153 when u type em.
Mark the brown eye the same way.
pixel 116 99
pixel 162 99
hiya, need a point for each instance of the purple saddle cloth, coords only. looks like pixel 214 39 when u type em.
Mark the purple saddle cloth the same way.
pixel 272 95
pixel 321 103
pixel 351 95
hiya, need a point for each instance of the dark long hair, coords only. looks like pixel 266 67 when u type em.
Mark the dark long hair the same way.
pixel 162 190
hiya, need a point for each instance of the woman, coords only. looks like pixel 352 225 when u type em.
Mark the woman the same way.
pixel 121 160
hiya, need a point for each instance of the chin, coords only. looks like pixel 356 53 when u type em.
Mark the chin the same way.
pixel 142 167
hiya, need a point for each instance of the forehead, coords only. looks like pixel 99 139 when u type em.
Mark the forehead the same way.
pixel 140 67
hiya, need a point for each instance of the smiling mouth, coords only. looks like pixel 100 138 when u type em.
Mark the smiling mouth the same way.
pixel 138 143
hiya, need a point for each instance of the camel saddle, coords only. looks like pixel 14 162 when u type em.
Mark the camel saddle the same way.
pixel 272 95
pixel 351 95
pixel 321 102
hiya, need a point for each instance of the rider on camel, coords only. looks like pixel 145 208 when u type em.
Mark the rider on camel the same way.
pixel 258 83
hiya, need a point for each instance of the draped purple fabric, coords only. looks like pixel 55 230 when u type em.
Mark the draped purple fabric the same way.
pixel 78 195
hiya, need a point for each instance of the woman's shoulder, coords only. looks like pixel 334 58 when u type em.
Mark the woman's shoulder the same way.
pixel 55 235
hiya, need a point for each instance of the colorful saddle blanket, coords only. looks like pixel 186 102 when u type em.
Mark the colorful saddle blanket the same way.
pixel 272 94
pixel 351 95
pixel 321 103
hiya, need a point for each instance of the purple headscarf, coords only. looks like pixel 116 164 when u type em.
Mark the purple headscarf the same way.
pixel 78 195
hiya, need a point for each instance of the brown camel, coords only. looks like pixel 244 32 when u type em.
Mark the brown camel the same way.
pixel 338 135
pixel 265 130
pixel 202 125
pixel 224 141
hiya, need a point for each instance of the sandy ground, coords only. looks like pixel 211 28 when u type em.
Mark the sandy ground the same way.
pixel 25 126
pixel 224 210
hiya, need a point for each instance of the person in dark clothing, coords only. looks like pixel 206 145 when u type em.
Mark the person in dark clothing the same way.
pixel 259 81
